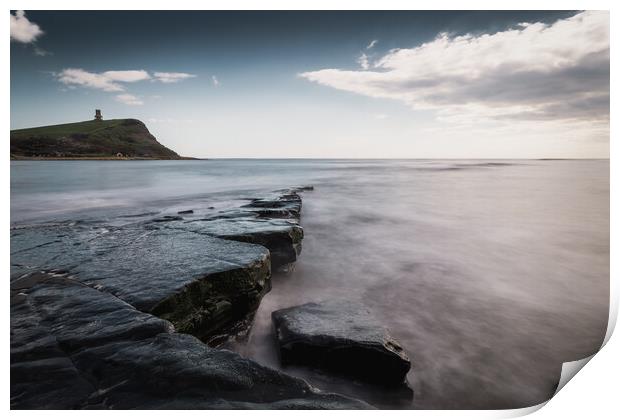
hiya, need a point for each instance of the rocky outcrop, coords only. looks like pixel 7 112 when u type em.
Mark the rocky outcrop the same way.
pixel 281 237
pixel 272 221
pixel 343 337
pixel 200 283
pixel 206 275
pixel 285 204
pixel 101 312
pixel 73 346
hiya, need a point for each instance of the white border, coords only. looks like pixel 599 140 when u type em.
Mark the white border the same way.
pixel 592 394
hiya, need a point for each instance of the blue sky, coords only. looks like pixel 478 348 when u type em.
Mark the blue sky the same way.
pixel 324 84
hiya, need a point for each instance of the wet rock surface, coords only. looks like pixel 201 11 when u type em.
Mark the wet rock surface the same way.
pixel 207 275
pixel 285 204
pixel 201 283
pixel 99 309
pixel 73 346
pixel 342 337
pixel 282 237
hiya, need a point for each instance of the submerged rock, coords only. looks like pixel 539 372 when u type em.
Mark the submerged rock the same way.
pixel 166 219
pixel 342 337
pixel 303 188
pixel 298 189
pixel 281 205
pixel 73 346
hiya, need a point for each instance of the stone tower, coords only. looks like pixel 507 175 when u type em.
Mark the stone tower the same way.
pixel 98 115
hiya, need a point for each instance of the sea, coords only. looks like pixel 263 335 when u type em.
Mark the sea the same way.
pixel 490 273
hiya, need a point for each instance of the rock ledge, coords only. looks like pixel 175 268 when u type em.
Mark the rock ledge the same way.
pixel 342 337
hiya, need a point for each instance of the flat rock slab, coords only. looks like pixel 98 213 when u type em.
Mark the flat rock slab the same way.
pixel 207 276
pixel 73 346
pixel 342 337
pixel 281 237
pixel 144 267
pixel 201 283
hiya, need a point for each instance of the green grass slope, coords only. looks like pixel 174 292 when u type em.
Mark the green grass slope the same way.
pixel 89 139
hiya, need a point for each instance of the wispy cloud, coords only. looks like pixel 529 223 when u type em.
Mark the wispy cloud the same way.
pixel 535 71
pixel 128 99
pixel 115 80
pixel 372 44
pixel 362 60
pixel 41 52
pixel 216 82
pixel 172 77
pixel 22 29
pixel 80 77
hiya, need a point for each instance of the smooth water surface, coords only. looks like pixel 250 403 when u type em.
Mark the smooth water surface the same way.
pixel 491 274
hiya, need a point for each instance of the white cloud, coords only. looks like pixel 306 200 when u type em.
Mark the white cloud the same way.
pixel 114 80
pixel 80 77
pixel 372 44
pixel 128 99
pixel 534 72
pixel 126 76
pixel 172 77
pixel 216 82
pixel 23 30
pixel 362 60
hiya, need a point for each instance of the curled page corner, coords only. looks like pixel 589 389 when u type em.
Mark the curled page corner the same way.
pixel 520 412
pixel 613 313
pixel 569 370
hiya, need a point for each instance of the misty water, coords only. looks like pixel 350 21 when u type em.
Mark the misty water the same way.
pixel 491 274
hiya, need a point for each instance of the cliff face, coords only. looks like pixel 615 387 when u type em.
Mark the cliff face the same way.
pixel 89 139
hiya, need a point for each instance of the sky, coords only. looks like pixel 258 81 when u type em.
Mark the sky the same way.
pixel 348 84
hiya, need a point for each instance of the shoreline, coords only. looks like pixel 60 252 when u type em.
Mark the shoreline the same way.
pixel 21 158
pixel 97 308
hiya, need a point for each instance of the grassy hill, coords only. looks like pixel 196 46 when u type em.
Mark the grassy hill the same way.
pixel 89 140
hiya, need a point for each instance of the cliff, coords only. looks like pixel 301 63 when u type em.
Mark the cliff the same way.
pixel 89 140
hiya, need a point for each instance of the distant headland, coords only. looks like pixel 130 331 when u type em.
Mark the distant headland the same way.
pixel 97 139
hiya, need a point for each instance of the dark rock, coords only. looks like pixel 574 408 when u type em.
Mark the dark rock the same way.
pixel 186 212
pixel 201 283
pixel 279 205
pixel 51 247
pixel 76 347
pixel 282 238
pixel 132 216
pixel 166 219
pixel 206 276
pixel 298 189
pixel 342 337
pixel 303 188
